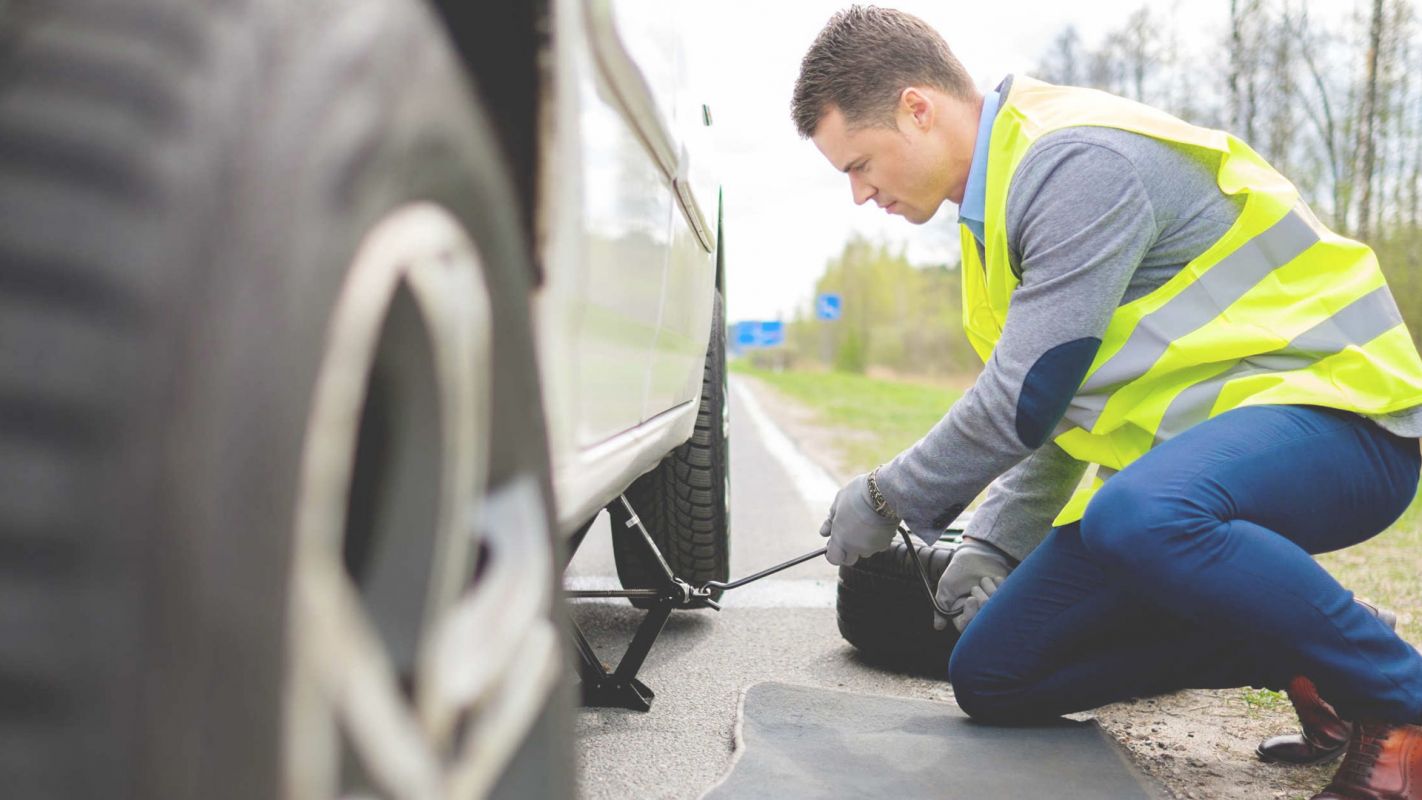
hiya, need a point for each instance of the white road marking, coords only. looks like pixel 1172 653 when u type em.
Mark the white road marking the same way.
pixel 810 479
pixel 783 593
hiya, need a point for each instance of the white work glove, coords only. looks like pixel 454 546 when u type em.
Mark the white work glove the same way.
pixel 974 573
pixel 854 529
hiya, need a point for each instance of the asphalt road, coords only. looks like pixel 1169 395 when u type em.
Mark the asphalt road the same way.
pixel 781 628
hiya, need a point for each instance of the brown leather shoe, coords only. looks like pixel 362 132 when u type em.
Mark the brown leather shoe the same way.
pixel 1384 762
pixel 1325 734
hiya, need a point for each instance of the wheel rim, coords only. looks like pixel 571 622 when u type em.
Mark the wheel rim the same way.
pixel 408 675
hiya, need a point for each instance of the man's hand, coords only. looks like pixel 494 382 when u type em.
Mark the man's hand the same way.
pixel 854 529
pixel 975 572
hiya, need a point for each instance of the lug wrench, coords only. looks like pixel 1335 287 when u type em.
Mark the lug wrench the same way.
pixel 704 590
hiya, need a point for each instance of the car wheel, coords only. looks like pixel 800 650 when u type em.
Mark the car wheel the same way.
pixel 685 502
pixel 274 498
pixel 885 613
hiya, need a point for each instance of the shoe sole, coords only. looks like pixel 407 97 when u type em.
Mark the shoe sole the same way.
pixel 1324 759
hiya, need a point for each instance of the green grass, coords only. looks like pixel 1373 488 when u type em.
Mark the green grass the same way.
pixel 1387 570
pixel 876 418
pixel 1263 699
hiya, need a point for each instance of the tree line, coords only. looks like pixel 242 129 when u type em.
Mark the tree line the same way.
pixel 1335 105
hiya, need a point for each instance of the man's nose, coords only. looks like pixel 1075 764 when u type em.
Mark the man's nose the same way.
pixel 861 190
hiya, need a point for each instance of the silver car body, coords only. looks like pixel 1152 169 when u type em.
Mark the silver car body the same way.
pixel 627 236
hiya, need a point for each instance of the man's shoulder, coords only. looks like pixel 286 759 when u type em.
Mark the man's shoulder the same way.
pixel 1075 175
pixel 1104 158
pixel 1096 141
pixel 1070 160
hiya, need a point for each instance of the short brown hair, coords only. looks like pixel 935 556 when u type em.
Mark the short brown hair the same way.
pixel 863 60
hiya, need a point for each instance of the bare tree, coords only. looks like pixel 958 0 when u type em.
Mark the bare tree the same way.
pixel 1129 57
pixel 1062 63
pixel 1395 164
pixel 1413 112
pixel 1184 94
pixel 1138 50
pixel 1104 66
pixel 1243 64
pixel 1323 111
pixel 1281 123
pixel 1368 119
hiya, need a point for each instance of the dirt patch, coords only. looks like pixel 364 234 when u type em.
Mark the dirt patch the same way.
pixel 1198 743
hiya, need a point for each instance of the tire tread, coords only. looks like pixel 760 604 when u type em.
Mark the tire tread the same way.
pixel 681 501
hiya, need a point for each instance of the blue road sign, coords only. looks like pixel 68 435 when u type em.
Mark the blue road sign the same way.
pixel 827 306
pixel 746 334
pixel 753 334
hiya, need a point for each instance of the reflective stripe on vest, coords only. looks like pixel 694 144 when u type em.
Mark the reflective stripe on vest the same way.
pixel 1278 310
pixel 1361 322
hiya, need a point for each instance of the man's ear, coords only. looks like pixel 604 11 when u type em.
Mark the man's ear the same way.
pixel 919 107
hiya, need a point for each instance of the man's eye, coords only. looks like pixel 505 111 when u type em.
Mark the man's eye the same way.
pixel 861 166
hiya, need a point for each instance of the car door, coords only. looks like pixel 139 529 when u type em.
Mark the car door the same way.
pixel 627 205
pixel 663 109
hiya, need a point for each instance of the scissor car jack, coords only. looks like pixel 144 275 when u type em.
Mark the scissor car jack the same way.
pixel 620 687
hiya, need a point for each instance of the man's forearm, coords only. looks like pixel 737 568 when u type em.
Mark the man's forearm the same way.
pixel 930 483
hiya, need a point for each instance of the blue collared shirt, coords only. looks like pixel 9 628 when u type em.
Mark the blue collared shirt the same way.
pixel 973 210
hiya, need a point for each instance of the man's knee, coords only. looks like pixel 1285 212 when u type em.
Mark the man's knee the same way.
pixel 980 686
pixel 1124 518
pixel 966 675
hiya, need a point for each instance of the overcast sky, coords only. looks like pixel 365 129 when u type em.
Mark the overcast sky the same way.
pixel 787 210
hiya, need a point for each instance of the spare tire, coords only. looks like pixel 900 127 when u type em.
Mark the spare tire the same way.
pixel 885 613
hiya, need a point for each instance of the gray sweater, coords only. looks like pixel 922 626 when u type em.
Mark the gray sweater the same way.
pixel 1096 217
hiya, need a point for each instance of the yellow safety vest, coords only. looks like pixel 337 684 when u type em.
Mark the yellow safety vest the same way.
pixel 1279 310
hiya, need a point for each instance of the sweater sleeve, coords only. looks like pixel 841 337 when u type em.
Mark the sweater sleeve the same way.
pixel 1079 222
pixel 1020 505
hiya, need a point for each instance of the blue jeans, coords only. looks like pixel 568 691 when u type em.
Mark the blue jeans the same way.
pixel 1191 569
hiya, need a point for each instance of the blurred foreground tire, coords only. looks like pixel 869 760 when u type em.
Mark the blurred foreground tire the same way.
pixel 885 613
pixel 274 499
pixel 686 501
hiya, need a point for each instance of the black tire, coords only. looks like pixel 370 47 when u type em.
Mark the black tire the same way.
pixel 885 613
pixel 182 185
pixel 685 502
